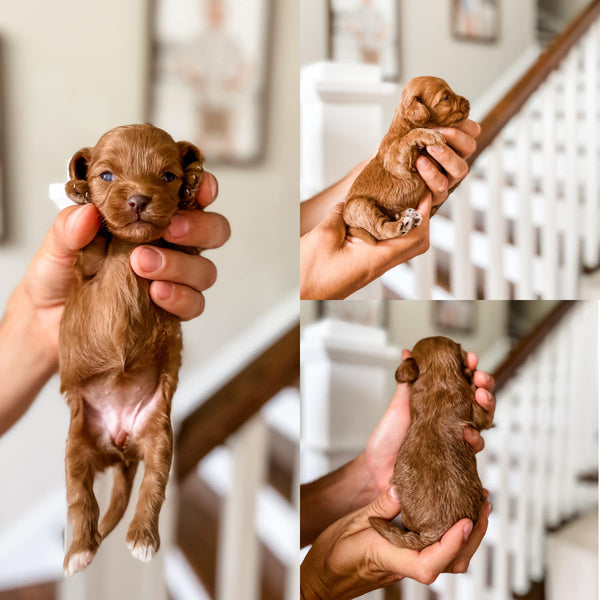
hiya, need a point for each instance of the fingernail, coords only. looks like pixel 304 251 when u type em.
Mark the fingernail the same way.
pixel 214 187
pixel 423 162
pixel 164 291
pixel 149 259
pixel 487 494
pixel 435 149
pixel 74 218
pixel 488 509
pixel 179 226
pixel 392 492
pixel 467 530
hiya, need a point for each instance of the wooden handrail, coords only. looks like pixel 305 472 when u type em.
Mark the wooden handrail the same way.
pixel 514 100
pixel 238 400
pixel 517 356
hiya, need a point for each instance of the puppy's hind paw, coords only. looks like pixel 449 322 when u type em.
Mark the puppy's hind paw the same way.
pixel 141 551
pixel 77 562
pixel 408 220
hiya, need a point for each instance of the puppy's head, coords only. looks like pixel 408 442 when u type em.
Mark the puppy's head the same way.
pixel 429 102
pixel 437 354
pixel 137 177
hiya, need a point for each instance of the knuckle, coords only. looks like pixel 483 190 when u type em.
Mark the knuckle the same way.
pixel 427 576
pixel 463 170
pixel 461 566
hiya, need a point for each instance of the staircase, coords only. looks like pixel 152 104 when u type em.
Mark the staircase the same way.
pixel 525 223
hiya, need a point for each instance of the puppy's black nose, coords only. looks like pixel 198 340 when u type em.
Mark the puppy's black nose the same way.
pixel 138 203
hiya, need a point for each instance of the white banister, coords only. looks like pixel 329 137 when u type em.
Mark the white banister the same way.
pixel 463 272
pixel 424 266
pixel 592 189
pixel 495 225
pixel 524 227
pixel 550 239
pixel 238 565
pixel 573 215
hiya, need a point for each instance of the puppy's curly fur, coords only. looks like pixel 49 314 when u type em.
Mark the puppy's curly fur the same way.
pixel 120 353
pixel 382 202
pixel 435 475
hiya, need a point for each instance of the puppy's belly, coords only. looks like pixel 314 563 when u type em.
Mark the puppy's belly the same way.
pixel 118 409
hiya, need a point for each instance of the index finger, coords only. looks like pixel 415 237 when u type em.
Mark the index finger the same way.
pixel 470 127
pixel 208 190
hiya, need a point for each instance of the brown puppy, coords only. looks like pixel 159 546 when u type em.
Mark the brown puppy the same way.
pixel 435 475
pixel 119 352
pixel 382 201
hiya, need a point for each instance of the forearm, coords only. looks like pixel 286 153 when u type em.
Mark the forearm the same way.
pixel 29 358
pixel 333 496
pixel 313 210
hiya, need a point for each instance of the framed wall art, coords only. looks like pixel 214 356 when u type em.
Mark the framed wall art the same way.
pixel 365 31
pixel 209 75
pixel 476 20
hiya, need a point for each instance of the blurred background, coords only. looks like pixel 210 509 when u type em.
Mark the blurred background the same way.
pixel 69 72
pixel 524 224
pixel 540 462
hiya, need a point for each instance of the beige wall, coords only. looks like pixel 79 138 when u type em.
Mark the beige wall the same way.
pixel 428 48
pixel 73 70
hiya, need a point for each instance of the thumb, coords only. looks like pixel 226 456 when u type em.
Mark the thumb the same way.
pixel 74 228
pixel 334 223
pixel 386 505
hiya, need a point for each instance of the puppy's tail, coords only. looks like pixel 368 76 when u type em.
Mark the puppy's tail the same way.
pixel 124 475
pixel 400 538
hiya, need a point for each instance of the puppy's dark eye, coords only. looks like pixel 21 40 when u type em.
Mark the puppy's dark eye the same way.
pixel 107 176
pixel 446 97
pixel 168 176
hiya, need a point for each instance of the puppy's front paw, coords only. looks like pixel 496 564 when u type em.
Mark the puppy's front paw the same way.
pixel 143 542
pixel 409 219
pixel 433 138
pixel 77 561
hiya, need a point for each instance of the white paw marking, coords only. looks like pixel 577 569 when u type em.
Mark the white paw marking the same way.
pixel 143 552
pixel 78 562
pixel 410 219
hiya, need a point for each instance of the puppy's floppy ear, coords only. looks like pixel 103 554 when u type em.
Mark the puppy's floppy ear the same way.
pixel 416 112
pixel 193 174
pixel 77 188
pixel 408 371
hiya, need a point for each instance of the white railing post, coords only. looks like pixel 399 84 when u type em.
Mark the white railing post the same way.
pixel 462 279
pixel 524 227
pixel 550 238
pixel 495 282
pixel 424 266
pixel 238 551
pixel 592 190
pixel 572 218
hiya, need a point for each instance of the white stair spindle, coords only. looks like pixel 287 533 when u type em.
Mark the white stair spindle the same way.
pixel 495 283
pixel 526 400
pixel 573 215
pixel 500 556
pixel 592 189
pixel 238 552
pixel 424 266
pixel 524 227
pixel 550 238
pixel 462 278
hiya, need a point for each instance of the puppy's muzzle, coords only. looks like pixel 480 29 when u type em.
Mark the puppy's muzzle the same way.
pixel 138 203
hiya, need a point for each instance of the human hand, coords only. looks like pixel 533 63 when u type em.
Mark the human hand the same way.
pixel 179 278
pixel 381 450
pixel 334 265
pixel 350 558
pixel 50 276
pixel 460 145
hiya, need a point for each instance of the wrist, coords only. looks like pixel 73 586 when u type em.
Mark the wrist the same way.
pixel 25 322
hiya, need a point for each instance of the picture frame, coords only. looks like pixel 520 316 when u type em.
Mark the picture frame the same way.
pixel 476 20
pixel 455 316
pixel 365 32
pixel 210 75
